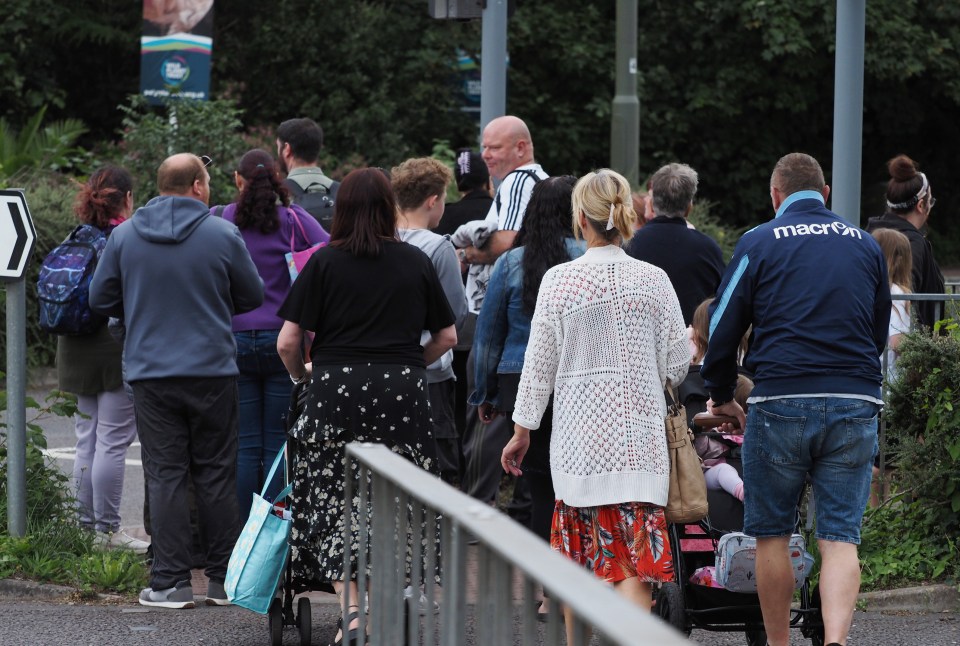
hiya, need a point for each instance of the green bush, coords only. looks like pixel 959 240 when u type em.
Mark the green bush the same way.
pixel 151 134
pixel 923 417
pixel 56 548
pixel 904 544
pixel 49 197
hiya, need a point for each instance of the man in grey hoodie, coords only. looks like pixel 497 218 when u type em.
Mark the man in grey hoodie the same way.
pixel 177 275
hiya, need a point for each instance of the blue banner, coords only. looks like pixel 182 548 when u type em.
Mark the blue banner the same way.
pixel 175 49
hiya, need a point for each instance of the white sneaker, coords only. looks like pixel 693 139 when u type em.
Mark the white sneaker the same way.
pixel 424 604
pixel 120 540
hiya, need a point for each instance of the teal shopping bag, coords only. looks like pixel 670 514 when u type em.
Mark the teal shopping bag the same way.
pixel 260 554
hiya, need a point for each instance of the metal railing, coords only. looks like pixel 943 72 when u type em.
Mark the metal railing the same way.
pixel 488 588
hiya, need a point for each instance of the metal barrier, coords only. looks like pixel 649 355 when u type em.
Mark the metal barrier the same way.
pixel 399 498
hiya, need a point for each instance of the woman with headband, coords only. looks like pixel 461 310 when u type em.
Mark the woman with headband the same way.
pixel 909 202
pixel 607 335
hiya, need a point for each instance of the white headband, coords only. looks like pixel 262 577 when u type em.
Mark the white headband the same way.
pixel 913 200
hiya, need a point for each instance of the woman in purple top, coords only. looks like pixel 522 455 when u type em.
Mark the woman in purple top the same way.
pixel 267 222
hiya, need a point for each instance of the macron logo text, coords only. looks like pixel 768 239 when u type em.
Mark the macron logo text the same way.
pixel 816 229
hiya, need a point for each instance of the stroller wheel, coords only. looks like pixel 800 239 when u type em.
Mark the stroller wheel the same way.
pixel 812 625
pixel 275 620
pixel 304 624
pixel 670 606
pixel 756 638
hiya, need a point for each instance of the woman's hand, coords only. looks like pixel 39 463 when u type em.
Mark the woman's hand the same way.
pixel 486 412
pixel 516 448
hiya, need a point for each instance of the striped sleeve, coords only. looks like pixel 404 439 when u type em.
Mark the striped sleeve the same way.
pixel 511 212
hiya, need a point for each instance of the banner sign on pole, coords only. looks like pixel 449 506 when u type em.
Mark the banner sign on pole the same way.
pixel 175 49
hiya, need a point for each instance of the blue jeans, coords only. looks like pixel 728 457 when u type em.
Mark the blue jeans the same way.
pixel 264 388
pixel 833 440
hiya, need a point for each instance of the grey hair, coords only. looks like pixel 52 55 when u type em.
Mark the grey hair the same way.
pixel 673 188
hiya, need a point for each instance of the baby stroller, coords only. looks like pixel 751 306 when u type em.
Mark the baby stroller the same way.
pixel 687 605
pixel 281 613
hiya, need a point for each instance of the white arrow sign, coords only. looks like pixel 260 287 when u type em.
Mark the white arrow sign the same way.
pixel 17 235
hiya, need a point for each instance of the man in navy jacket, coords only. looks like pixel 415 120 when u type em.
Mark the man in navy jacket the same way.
pixel 692 260
pixel 815 291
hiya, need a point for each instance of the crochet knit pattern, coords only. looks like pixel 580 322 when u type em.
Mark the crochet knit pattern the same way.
pixel 606 336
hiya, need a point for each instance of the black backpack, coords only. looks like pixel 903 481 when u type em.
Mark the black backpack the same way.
pixel 317 200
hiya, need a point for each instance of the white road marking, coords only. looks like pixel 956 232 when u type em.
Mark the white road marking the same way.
pixel 71 455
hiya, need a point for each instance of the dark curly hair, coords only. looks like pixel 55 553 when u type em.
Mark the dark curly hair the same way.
pixel 257 202
pixel 546 225
pixel 102 197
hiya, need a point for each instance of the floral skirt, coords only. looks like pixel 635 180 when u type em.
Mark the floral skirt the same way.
pixel 384 404
pixel 616 542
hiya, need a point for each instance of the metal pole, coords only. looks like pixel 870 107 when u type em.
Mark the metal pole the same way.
pixel 16 408
pixel 625 116
pixel 493 62
pixel 848 109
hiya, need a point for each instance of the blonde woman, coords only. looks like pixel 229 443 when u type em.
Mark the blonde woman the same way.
pixel 607 335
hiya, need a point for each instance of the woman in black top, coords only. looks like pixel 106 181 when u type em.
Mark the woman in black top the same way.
pixel 367 297
pixel 909 202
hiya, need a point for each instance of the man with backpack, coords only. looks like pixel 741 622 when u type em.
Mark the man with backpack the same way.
pixel 298 147
pixel 177 275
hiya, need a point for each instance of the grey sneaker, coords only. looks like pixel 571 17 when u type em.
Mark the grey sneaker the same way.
pixel 216 595
pixel 178 597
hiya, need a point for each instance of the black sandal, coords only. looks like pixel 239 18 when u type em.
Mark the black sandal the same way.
pixel 353 634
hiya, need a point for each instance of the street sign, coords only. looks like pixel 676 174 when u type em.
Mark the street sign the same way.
pixel 17 235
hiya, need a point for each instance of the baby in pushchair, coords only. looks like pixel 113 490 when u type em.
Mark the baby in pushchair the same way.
pixel 715 448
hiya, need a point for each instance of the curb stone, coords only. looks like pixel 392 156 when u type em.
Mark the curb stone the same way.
pixel 926 598
pixel 17 589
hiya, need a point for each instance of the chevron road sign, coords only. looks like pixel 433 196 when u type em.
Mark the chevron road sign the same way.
pixel 17 235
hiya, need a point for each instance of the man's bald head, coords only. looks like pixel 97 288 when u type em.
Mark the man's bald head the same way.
pixel 177 174
pixel 507 145
pixel 184 175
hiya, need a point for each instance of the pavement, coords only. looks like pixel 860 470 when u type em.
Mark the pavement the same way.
pixel 16 595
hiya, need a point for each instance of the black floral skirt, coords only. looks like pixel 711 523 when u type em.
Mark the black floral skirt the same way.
pixel 383 404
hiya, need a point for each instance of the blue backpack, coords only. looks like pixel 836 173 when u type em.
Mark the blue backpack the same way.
pixel 63 288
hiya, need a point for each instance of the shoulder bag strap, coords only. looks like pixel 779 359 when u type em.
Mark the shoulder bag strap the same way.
pixel 293 231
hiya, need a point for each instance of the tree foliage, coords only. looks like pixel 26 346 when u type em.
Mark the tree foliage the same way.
pixel 727 86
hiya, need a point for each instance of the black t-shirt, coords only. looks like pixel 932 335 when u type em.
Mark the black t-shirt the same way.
pixel 474 206
pixel 368 310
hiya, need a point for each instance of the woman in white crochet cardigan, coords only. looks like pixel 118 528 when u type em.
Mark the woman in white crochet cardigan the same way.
pixel 607 335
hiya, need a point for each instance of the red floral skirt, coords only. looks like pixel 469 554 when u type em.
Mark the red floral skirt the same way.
pixel 616 542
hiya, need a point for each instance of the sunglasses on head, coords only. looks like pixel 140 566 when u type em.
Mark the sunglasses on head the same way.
pixel 206 160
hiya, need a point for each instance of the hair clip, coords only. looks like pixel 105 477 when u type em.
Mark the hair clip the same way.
pixel 463 162
pixel 610 219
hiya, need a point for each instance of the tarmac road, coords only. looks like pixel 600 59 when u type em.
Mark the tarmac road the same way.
pixel 29 621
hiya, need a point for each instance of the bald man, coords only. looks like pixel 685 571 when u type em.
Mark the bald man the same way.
pixel 176 275
pixel 508 152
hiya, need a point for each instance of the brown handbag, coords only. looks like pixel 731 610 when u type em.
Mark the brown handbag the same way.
pixel 687 500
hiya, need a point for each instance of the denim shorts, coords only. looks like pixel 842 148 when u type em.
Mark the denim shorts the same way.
pixel 833 440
